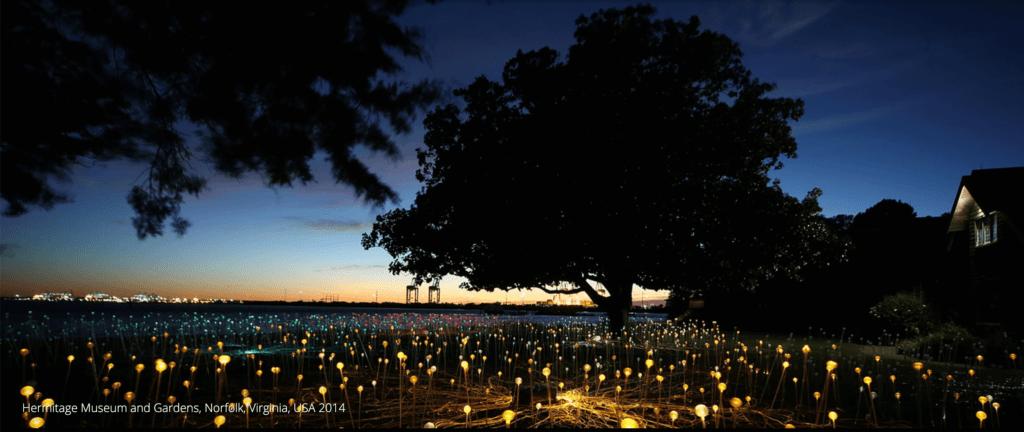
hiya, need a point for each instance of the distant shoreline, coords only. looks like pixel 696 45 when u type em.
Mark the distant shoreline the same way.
pixel 8 304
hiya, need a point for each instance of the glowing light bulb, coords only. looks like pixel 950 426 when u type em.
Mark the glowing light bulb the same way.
pixel 702 411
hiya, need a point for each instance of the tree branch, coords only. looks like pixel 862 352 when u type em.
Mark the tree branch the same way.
pixel 560 291
pixel 597 298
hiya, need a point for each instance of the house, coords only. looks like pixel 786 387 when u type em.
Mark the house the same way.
pixel 985 229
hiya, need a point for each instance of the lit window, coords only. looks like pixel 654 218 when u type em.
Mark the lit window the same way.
pixel 985 230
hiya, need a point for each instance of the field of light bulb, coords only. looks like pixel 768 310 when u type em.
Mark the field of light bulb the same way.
pixel 286 370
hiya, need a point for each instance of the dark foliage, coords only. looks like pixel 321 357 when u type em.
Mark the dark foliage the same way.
pixel 268 86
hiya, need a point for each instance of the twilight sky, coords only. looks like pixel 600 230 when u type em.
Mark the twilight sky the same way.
pixel 902 99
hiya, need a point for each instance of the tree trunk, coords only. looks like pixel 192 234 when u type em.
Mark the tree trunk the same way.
pixel 617 320
pixel 618 308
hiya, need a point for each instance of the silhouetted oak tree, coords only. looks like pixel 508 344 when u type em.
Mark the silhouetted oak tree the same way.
pixel 641 159
pixel 267 84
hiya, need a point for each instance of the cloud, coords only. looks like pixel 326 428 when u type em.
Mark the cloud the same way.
pixel 336 225
pixel 796 88
pixel 8 249
pixel 827 81
pixel 771 21
pixel 344 202
pixel 842 120
pixel 354 267
pixel 801 15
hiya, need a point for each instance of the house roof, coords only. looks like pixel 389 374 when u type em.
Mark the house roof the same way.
pixel 992 190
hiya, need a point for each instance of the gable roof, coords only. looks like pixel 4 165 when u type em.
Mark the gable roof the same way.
pixel 991 190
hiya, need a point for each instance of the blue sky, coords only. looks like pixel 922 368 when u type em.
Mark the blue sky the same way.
pixel 901 100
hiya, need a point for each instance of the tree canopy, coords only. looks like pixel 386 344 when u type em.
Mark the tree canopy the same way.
pixel 642 158
pixel 267 86
pixel 886 214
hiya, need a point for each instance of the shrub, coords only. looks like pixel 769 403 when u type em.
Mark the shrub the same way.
pixel 946 333
pixel 907 312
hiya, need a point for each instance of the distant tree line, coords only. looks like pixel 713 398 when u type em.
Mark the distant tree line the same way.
pixel 892 251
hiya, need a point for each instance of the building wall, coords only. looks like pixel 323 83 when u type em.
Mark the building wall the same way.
pixel 995 271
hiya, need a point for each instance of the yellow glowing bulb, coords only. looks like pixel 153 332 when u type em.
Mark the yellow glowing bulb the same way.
pixel 508 415
pixel 867 380
pixel 721 387
pixel 139 367
pixel 161 366
pixel 983 400
pixel 832 415
pixel 628 423
pixel 219 421
pixel 831 365
pixel 129 396
pixel 323 390
pixel 47 402
pixel 27 391
pixel 649 363
pixel 806 349
pixel 981 415
pixel 413 379
pixel 601 377
pixel 36 423
pixel 736 402
pixel 702 411
pixel 918 366
pixel 466 409
pixel 673 415
pixel 248 400
pixel 546 372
